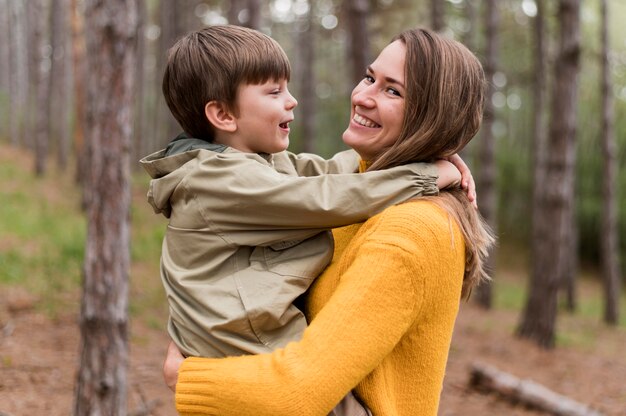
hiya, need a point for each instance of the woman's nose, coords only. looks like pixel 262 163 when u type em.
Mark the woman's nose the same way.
pixel 362 96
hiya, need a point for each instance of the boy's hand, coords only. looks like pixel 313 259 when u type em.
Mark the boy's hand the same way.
pixel 173 360
pixel 467 181
pixel 449 174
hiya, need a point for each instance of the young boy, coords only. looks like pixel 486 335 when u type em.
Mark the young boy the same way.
pixel 248 221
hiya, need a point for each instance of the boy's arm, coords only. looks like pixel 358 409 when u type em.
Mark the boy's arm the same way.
pixel 308 164
pixel 452 170
pixel 449 174
pixel 238 196
pixel 467 181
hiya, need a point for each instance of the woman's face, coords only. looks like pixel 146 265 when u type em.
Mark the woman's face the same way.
pixel 378 104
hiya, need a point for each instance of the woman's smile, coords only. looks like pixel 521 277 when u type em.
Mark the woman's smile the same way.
pixel 365 122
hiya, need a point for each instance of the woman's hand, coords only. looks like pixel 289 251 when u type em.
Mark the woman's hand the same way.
pixel 173 360
pixel 467 181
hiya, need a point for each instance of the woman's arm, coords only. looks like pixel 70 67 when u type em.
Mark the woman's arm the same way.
pixel 370 311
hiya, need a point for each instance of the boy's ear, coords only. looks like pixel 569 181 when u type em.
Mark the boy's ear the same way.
pixel 220 117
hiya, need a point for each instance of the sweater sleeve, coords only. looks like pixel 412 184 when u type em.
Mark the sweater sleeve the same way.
pixel 246 196
pixel 375 303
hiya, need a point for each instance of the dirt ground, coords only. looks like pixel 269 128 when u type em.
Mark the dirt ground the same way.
pixel 38 361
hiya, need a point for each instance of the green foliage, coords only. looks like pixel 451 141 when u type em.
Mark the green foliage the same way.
pixel 581 329
pixel 147 236
pixel 42 242
pixel 509 294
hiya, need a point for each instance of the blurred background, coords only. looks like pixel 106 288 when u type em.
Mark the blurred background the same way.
pixel 548 163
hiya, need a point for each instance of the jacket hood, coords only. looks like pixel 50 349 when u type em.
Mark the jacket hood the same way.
pixel 183 143
pixel 164 168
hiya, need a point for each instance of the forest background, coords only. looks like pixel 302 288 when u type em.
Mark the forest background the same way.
pixel 45 130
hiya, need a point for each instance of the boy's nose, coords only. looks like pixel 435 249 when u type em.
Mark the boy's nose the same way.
pixel 291 102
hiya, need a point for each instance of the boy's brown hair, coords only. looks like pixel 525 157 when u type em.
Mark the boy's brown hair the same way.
pixel 210 64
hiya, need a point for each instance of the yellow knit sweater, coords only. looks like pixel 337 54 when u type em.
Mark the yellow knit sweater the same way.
pixel 383 314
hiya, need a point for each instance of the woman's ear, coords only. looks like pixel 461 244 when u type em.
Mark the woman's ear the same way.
pixel 220 116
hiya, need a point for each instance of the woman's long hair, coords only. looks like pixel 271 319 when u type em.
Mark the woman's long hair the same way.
pixel 443 110
pixel 476 233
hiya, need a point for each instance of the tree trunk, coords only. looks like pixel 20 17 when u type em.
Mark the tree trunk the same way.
pixel 571 271
pixel 487 173
pixel 556 196
pixel 172 17
pixel 469 39
pixel 42 82
pixel 140 75
pixel 437 14
pixel 5 65
pixel 539 145
pixel 170 23
pixel 59 81
pixel 150 82
pixel 245 13
pixel 110 40
pixel 234 8
pixel 306 62
pixel 19 71
pixel 609 240
pixel 468 153
pixel 355 13
pixel 254 14
pixel 78 63
pixel 33 33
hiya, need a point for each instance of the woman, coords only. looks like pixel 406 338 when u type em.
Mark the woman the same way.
pixel 383 312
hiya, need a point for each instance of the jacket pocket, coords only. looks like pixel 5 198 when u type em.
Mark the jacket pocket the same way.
pixel 277 275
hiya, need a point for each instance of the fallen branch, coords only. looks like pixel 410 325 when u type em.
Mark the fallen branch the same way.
pixel 487 378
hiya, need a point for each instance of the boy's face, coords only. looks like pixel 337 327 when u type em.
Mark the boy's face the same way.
pixel 264 112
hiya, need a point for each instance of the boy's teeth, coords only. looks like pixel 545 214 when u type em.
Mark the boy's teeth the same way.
pixel 364 121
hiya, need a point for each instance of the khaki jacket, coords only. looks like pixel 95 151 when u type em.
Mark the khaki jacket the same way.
pixel 248 233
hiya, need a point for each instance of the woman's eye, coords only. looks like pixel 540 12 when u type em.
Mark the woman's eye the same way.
pixel 394 91
pixel 369 79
